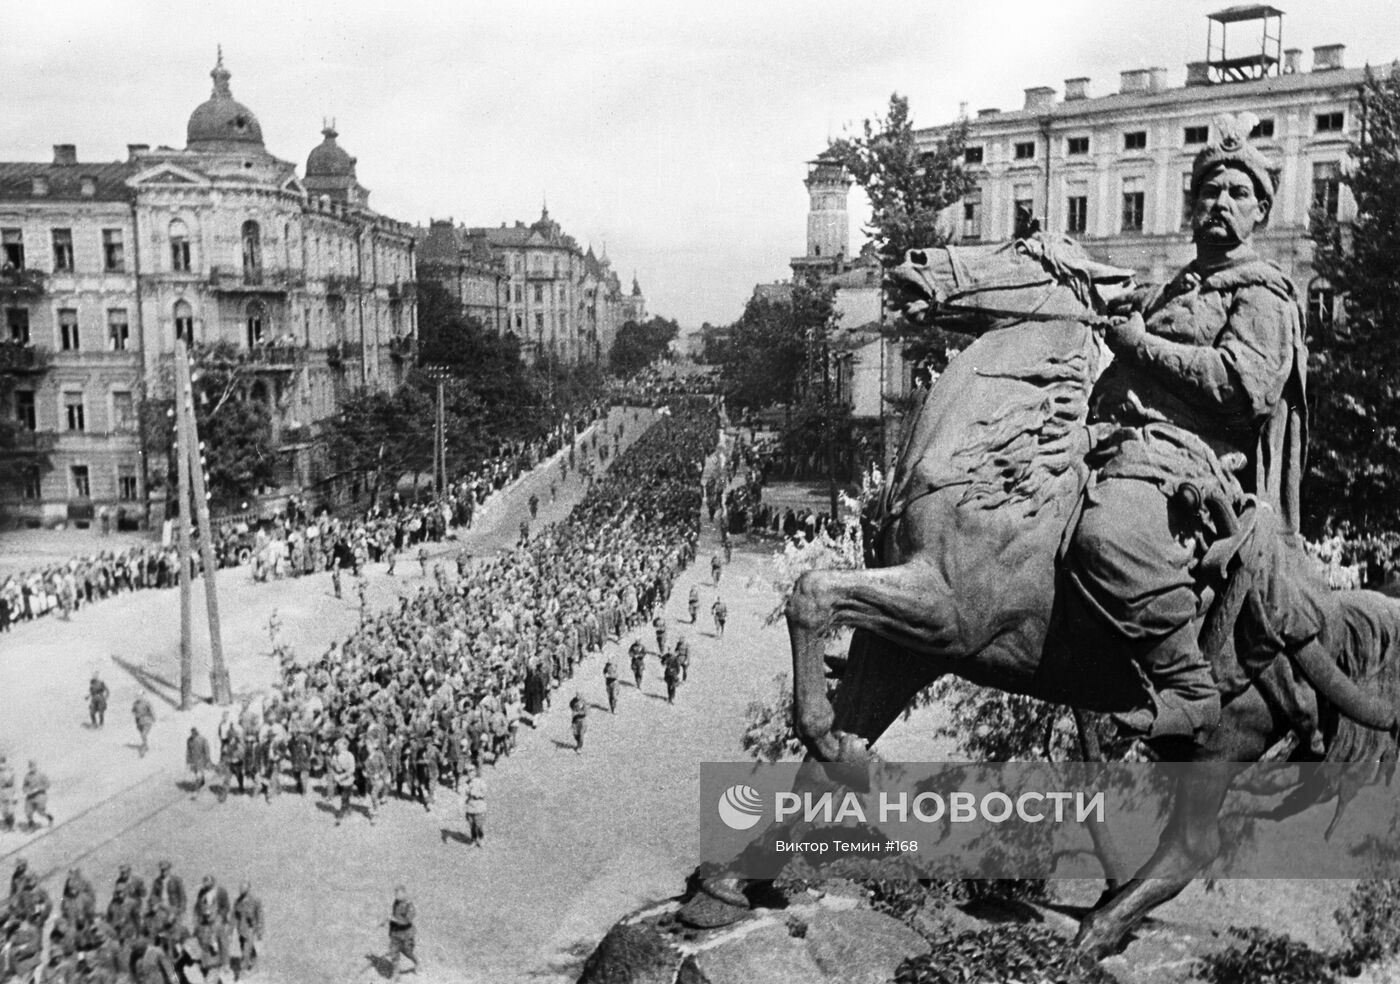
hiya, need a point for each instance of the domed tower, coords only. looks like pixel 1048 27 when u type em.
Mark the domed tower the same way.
pixel 330 171
pixel 222 124
pixel 828 221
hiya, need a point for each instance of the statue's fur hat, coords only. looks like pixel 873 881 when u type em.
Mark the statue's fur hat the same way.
pixel 1231 147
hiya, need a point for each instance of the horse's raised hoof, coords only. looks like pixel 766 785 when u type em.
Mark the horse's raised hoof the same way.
pixel 719 902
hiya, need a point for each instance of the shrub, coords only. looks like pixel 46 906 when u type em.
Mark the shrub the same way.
pixel 1009 952
pixel 1370 922
pixel 1265 957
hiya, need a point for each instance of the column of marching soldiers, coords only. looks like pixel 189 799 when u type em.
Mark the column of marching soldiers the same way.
pixel 419 696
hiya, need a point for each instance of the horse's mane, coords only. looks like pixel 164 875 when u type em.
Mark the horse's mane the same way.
pixel 1015 455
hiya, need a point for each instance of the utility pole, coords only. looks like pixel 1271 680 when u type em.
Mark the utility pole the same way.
pixel 439 375
pixel 182 499
pixel 193 488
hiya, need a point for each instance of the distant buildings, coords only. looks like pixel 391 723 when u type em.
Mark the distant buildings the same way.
pixel 534 282
pixel 104 265
pixel 1113 171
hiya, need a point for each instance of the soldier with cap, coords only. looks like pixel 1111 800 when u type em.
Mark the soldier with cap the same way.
pixel 474 808
pixel 720 611
pixel 1213 360
pixel 610 681
pixel 7 795
pixel 97 700
pixel 638 654
pixel 578 711
pixel 342 777
pixel 248 921
pixel 197 757
pixel 403 936
pixel 167 887
pixel 36 796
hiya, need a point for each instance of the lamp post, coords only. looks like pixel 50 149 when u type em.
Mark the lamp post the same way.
pixel 439 374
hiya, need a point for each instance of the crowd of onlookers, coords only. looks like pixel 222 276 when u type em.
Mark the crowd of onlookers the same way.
pixel 290 544
pixel 422 696
pixel 159 933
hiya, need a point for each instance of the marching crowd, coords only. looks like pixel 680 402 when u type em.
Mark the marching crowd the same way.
pixel 422 696
pixel 292 544
pixel 152 934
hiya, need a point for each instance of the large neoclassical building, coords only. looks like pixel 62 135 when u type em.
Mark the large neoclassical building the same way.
pixel 105 264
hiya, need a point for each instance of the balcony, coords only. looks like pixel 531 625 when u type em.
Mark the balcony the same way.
pixel 234 281
pixel 17 357
pixel 284 358
pixel 16 284
pixel 27 442
pixel 340 284
pixel 339 353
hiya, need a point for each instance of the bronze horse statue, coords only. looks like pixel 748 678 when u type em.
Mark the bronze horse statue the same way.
pixel 967 535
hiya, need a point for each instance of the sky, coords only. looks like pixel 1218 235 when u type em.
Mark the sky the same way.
pixel 674 133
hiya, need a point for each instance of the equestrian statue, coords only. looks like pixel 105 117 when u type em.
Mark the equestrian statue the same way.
pixel 1097 505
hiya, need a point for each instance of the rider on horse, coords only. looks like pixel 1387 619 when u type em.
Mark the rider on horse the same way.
pixel 1218 352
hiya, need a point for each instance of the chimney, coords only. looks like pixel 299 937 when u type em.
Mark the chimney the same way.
pixel 65 153
pixel 1197 73
pixel 1292 61
pixel 134 151
pixel 1040 97
pixel 1156 79
pixel 1076 89
pixel 1133 81
pixel 987 112
pixel 962 110
pixel 1327 57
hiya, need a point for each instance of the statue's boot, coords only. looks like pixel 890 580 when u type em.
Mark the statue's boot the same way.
pixel 719 901
pixel 1185 696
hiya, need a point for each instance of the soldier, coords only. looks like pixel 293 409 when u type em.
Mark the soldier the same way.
pixel 578 710
pixel 335 575
pixel 715 568
pixel 248 921
pixel 212 947
pixel 638 654
pixel 402 934
pixel 231 763
pixel 671 673
pixel 721 613
pixel 301 750
pixel 430 769
pixel 683 658
pixel 168 888
pixel 423 560
pixel 392 556
pixel 659 625
pixel 36 796
pixel 376 778
pixel 211 901
pixel 145 716
pixel 474 808
pixel 342 781
pixel 97 701
pixel 150 964
pixel 7 796
pixel 197 757
pixel 610 681
pixel 131 885
pixel 534 505
pixel 693 602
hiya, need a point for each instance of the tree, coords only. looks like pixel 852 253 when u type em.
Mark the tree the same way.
pixel 761 363
pixel 908 188
pixel 234 416
pixel 639 344
pixel 1354 449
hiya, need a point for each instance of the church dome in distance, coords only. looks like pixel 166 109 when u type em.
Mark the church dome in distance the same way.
pixel 222 122
pixel 329 159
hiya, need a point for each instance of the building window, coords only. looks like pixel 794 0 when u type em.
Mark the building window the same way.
pixel 1322 307
pixel 519 320
pixel 1022 207
pixel 123 411
pixel 126 483
pixel 73 411
pixel 12 249
pixel 1196 135
pixel 1077 146
pixel 1135 140
pixel 1326 187
pixel 1330 122
pixel 1134 200
pixel 113 251
pixel 25 414
pixel 17 320
pixel 1276 179
pixel 82 488
pixel 1264 128
pixel 252 252
pixel 179 248
pixel 972 155
pixel 539 294
pixel 118 330
pixel 63 251
pixel 30 492
pixel 517 293
pixel 1077 210
pixel 972 215
pixel 539 322
pixel 68 339
pixel 1024 150
pixel 184 322
pixel 256 315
